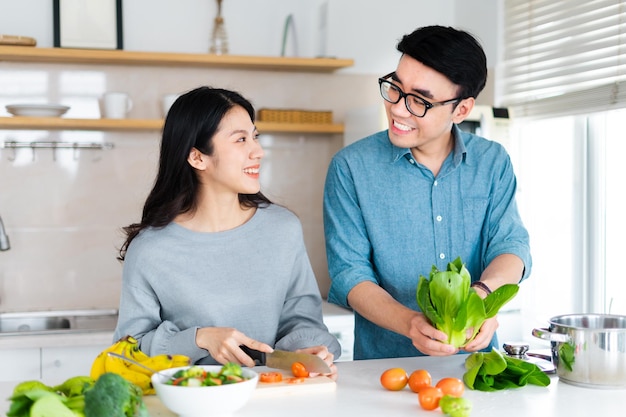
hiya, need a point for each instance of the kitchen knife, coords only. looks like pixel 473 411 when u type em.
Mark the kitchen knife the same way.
pixel 281 359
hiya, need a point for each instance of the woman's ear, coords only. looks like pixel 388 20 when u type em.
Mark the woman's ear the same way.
pixel 197 159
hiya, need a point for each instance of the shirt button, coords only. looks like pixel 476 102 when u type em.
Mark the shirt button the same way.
pixel 435 183
pixel 442 256
pixel 438 218
pixel 412 161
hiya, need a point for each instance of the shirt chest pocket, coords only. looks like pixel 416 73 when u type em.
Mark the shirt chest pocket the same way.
pixel 474 216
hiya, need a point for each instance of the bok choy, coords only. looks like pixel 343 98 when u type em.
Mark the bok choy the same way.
pixel 452 306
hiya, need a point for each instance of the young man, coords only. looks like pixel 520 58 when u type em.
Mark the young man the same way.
pixel 419 194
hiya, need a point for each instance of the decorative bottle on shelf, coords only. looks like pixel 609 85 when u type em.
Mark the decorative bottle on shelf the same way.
pixel 219 39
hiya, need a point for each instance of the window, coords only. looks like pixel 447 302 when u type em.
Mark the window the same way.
pixel 563 57
pixel 549 190
pixel 563 77
pixel 615 216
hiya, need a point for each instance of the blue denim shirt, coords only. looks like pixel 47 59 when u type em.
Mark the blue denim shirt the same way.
pixel 388 219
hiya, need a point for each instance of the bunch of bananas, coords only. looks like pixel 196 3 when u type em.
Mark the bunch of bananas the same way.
pixel 129 347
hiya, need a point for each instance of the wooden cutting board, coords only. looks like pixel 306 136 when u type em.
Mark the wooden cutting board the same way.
pixel 309 385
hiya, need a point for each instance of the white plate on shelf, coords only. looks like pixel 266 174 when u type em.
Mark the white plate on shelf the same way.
pixel 37 110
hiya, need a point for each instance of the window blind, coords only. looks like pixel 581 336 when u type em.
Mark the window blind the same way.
pixel 563 57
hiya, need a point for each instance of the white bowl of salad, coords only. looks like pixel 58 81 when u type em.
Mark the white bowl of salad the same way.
pixel 201 390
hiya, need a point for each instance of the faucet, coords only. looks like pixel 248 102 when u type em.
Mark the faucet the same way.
pixel 4 239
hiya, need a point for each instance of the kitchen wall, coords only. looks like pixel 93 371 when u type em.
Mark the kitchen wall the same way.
pixel 63 209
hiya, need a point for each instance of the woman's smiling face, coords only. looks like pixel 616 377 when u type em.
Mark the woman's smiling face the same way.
pixel 236 160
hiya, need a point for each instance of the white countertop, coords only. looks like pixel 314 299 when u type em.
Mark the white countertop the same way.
pixel 359 393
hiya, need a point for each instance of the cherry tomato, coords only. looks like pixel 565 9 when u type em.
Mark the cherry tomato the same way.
pixel 451 386
pixel 429 397
pixel 299 370
pixel 420 379
pixel 394 379
pixel 270 377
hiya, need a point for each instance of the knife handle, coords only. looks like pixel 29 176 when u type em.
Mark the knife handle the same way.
pixel 256 355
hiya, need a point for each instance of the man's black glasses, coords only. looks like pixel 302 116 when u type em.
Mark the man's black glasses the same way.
pixel 414 104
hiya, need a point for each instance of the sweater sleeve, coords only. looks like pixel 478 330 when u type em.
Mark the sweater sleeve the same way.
pixel 139 316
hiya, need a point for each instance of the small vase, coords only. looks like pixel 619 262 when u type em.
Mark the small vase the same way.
pixel 219 39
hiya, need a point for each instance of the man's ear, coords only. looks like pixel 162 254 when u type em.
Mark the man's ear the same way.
pixel 197 159
pixel 463 109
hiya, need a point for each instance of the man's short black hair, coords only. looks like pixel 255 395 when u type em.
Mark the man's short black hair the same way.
pixel 451 52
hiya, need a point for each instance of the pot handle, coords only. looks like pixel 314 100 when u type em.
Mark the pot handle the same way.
pixel 546 334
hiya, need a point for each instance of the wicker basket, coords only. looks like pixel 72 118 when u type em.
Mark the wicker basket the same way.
pixel 295 116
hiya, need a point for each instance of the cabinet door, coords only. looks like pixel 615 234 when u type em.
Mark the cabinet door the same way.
pixel 60 363
pixel 20 364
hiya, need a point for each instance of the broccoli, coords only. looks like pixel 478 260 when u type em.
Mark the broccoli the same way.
pixel 113 396
pixel 231 368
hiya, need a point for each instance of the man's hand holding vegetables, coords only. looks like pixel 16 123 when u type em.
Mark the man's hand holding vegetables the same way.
pixel 420 194
pixel 376 304
pixel 504 269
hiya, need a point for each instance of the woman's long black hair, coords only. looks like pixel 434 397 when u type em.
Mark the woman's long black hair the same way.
pixel 191 122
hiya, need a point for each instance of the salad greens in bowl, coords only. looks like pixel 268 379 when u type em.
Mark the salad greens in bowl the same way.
pixel 201 390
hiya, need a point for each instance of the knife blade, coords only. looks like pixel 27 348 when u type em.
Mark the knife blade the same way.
pixel 282 359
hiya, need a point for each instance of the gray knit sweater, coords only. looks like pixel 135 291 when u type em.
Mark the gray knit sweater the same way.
pixel 256 278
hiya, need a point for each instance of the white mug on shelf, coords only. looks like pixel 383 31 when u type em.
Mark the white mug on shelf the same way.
pixel 115 105
pixel 167 102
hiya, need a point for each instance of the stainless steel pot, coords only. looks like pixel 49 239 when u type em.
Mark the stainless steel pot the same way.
pixel 588 350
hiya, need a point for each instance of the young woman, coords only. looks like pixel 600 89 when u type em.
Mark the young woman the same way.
pixel 213 264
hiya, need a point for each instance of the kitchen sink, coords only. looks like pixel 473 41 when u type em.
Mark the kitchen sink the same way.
pixel 33 324
pixel 59 321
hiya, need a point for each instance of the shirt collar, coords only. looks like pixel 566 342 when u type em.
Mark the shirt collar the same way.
pixel 460 152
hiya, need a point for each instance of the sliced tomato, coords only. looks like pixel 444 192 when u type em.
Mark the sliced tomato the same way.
pixel 299 370
pixel 295 380
pixel 270 377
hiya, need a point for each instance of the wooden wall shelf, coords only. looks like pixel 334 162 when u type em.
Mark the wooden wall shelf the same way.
pixel 59 123
pixel 117 57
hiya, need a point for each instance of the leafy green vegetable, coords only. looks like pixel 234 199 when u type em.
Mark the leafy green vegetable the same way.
pixel 43 401
pixel 455 406
pixel 22 402
pixel 452 306
pixel 75 385
pixel 494 371
pixel 29 386
pixel 50 405
pixel 78 396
